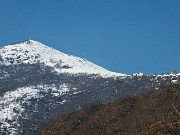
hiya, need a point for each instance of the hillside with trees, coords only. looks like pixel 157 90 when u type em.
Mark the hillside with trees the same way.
pixel 154 113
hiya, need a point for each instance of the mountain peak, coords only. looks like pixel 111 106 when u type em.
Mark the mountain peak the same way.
pixel 32 42
pixel 32 52
pixel 25 42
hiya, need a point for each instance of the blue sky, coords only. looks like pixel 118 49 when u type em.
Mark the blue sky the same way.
pixel 125 36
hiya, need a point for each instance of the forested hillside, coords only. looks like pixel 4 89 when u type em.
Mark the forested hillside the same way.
pixel 154 113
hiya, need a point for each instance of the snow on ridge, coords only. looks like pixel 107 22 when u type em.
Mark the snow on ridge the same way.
pixel 138 74
pixel 30 52
pixel 11 104
pixel 168 75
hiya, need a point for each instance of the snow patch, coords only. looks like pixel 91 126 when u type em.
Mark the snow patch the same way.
pixel 11 104
pixel 138 74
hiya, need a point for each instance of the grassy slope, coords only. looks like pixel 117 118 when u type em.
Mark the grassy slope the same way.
pixel 154 113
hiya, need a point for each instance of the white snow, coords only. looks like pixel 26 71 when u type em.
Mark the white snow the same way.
pixel 14 100
pixel 138 74
pixel 169 75
pixel 35 52
pixel 174 81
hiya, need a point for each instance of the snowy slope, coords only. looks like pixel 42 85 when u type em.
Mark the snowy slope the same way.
pixel 13 105
pixel 30 52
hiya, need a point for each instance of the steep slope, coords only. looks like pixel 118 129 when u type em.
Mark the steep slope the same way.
pixel 31 52
pixel 155 113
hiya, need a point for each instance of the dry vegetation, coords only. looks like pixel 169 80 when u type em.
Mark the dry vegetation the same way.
pixel 154 113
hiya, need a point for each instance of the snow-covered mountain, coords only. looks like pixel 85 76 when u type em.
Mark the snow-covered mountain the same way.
pixel 31 52
pixel 38 83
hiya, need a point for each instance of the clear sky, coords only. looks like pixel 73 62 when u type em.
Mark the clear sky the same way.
pixel 125 36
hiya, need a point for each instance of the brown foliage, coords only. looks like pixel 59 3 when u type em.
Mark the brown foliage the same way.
pixel 154 113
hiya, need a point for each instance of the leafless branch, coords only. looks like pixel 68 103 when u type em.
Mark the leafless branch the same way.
pixel 176 109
